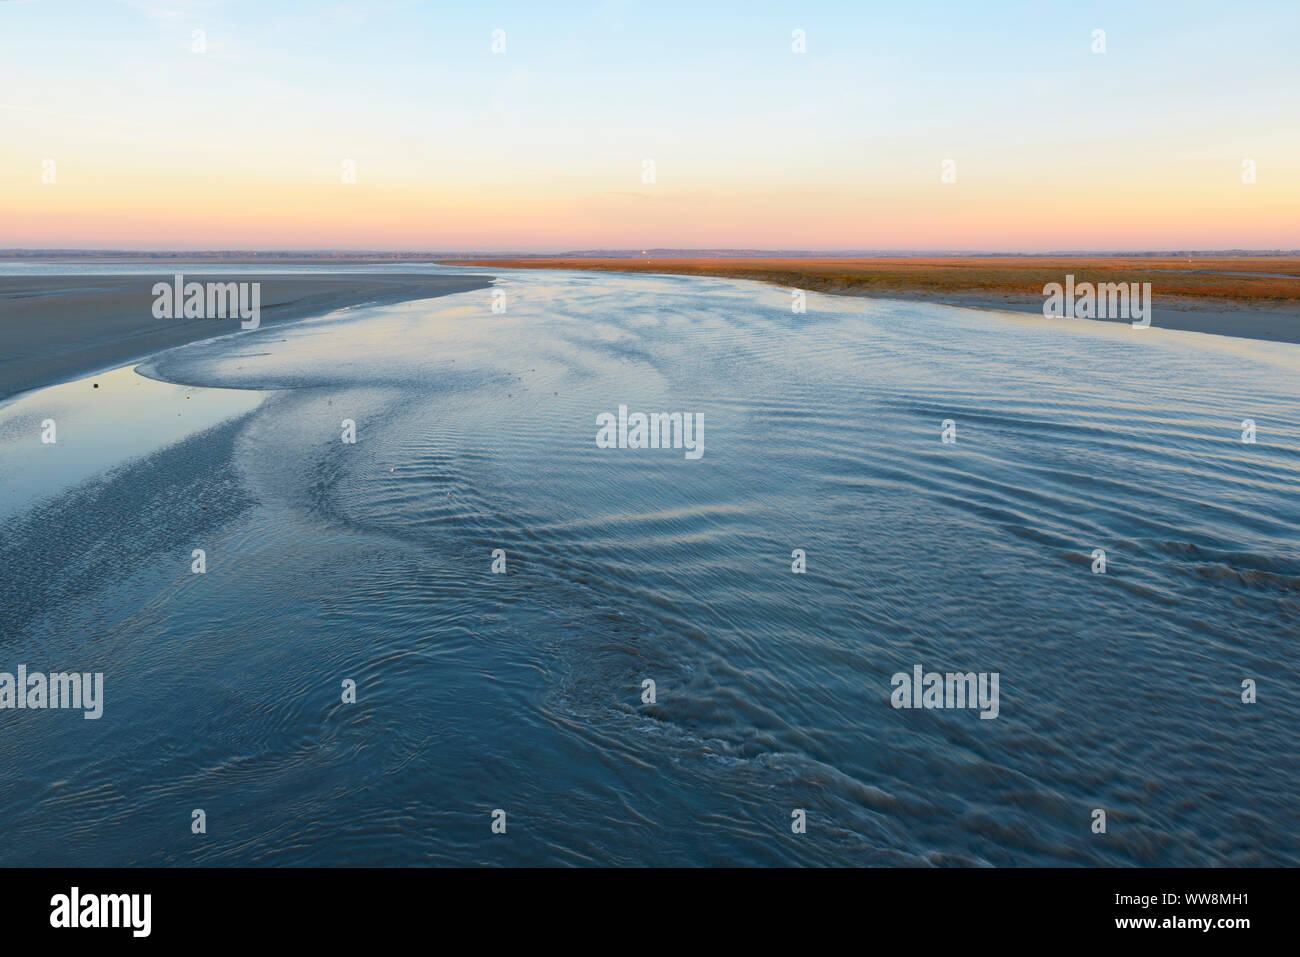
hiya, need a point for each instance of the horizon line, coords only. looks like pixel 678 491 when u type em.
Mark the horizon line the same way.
pixel 26 252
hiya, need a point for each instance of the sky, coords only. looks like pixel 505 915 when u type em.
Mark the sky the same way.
pixel 123 127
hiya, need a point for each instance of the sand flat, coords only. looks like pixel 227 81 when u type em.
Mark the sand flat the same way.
pixel 1250 297
pixel 55 328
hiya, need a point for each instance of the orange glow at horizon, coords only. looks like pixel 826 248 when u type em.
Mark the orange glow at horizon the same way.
pixel 543 147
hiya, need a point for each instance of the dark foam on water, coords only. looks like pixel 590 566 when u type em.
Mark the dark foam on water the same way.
pixel 522 691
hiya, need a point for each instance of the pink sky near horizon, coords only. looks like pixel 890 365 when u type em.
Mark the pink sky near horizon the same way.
pixel 542 148
pixel 315 211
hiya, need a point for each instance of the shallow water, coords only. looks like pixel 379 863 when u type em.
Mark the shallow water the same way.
pixel 478 691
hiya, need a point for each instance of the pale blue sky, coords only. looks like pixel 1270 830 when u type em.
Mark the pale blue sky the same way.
pixel 836 147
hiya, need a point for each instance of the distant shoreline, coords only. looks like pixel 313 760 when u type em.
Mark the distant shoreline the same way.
pixel 358 256
pixel 1250 297
pixel 58 328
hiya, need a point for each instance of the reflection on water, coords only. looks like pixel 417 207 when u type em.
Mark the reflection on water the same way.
pixel 523 691
pixel 55 438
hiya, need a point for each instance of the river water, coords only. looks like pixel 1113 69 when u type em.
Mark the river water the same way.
pixel 329 561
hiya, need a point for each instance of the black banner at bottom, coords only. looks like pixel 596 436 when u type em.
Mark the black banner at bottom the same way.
pixel 354 905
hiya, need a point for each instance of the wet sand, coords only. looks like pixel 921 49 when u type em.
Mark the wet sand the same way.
pixel 1269 323
pixel 56 328
pixel 1250 297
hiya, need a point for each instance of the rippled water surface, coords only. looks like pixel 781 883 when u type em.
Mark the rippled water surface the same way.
pixel 477 691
